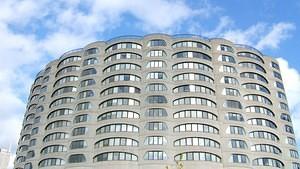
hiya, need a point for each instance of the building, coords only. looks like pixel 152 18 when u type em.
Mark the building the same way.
pixel 147 102
pixel 4 158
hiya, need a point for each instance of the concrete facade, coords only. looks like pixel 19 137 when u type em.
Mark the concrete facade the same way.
pixel 185 119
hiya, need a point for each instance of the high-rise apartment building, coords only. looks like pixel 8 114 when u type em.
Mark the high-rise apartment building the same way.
pixel 4 158
pixel 147 102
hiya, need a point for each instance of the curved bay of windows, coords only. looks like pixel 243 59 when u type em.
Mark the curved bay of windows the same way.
pixel 264 135
pixel 156 53
pixel 85 94
pixel 285 117
pixel 67 70
pixel 61 101
pixel 81 118
pixel 190 54
pixel 156 75
pixel 252 66
pixel 116 141
pixel 254 76
pixel 251 56
pixel 91 51
pixel 227 69
pixel 197 141
pixel 30 154
pixel 231 92
pixel 289 129
pixel 62 90
pixel 123 45
pixel 239 158
pixel 156 112
pixel 156 64
pixel 190 44
pixel 255 86
pixel 78 144
pixel 118 114
pixel 87 82
pixel 281 95
pixel 64 80
pixel 262 122
pixel 58 124
pixel 90 71
pixel 229 80
pixel 124 55
pixel 51 162
pixel 283 106
pixel 195 114
pixel 122 66
pixel 118 127
pixel 266 148
pixel 156 87
pixel 194 101
pixel 295 165
pixel 240 144
pixel 115 156
pixel 197 156
pixel 294 154
pixel 193 76
pixel 232 104
pixel 53 149
pixel 196 127
pixel 156 126
pixel 193 88
pixel 275 65
pixel 83 106
pixel 234 116
pixel 192 65
pixel 155 155
pixel 226 58
pixel 120 89
pixel 156 99
pixel 156 42
pixel 121 77
pixel 56 136
pixel 258 98
pixel 225 48
pixel 267 162
pixel 279 85
pixel 259 109
pixel 119 102
pixel 79 131
pixel 291 141
pixel 69 60
pixel 238 130
pixel 90 61
pixel 76 158
pixel 59 112
pixel 155 140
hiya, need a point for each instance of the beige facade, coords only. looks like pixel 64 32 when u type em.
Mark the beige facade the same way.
pixel 147 102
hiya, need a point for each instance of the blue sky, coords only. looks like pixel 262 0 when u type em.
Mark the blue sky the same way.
pixel 34 32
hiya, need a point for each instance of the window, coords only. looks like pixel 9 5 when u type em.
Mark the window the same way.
pixel 156 99
pixel 123 45
pixel 67 70
pixel 259 109
pixel 119 102
pixel 255 76
pixel 289 129
pixel 267 162
pixel 291 141
pixel 78 144
pixel 229 80
pixel 232 104
pixel 56 136
pixel 122 66
pixel 156 53
pixel 284 106
pixel 227 69
pixel 231 92
pixel 64 90
pixel 235 130
pixel 196 127
pixel 279 85
pixel 156 75
pixel 39 109
pixel 65 80
pixel 156 42
pixel 285 117
pixel 79 131
pixel 155 140
pixel 120 89
pixel 190 44
pixel 81 118
pixel 76 158
pixel 281 95
pixel 30 154
pixel 262 122
pixel 87 82
pixel 116 141
pixel 83 106
pixel 258 98
pixel 59 112
pixel 156 87
pixel 239 158
pixel 255 86
pixel 225 48
pixel 240 144
pixel 156 112
pixel 91 51
pixel 296 166
pixel 32 142
pixel 58 124
pixel 194 101
pixel 266 148
pixel 275 65
pixel 190 54
pixel 192 77
pixel 34 131
pixel 198 156
pixel 118 114
pixel 89 71
pixel 156 126
pixel 120 56
pixel 51 162
pixel 53 149
pixel 264 135
pixel 119 127
pixel 192 65
pixel 252 65
pixel 197 141
pixel 156 64
pixel 90 61
pixel 193 113
pixel 234 116
pixel 155 155
pixel 69 60
pixel 193 89
pixel 277 75
pixel 226 58
pixel 250 56
pixel 121 77
pixel 85 94
pixel 115 156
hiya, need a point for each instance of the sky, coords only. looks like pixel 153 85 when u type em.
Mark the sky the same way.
pixel 32 33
